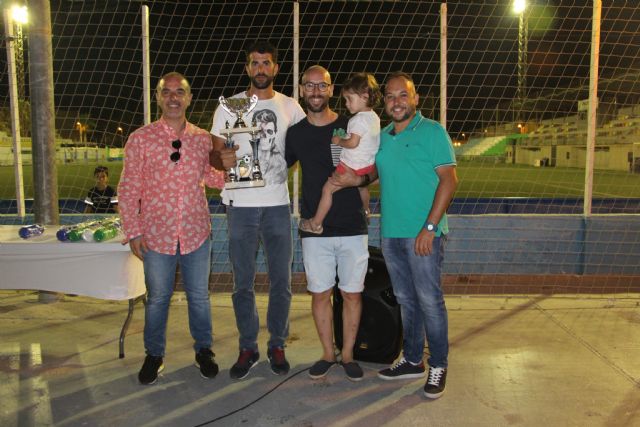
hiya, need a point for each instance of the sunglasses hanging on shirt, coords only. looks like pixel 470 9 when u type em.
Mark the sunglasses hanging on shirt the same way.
pixel 175 156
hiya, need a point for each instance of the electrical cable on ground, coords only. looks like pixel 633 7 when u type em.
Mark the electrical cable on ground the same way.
pixel 251 403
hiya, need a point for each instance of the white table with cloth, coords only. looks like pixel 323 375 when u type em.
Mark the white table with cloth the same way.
pixel 106 270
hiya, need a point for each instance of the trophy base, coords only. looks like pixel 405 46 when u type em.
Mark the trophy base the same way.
pixel 252 183
pixel 241 129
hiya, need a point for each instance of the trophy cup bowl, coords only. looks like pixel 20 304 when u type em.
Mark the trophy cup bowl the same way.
pixel 238 107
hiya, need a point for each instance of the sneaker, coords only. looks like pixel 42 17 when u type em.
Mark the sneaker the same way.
pixel 434 387
pixel 353 371
pixel 206 363
pixel 320 369
pixel 402 370
pixel 279 364
pixel 246 360
pixel 151 367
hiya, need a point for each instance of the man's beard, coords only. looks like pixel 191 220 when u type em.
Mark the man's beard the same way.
pixel 407 115
pixel 319 108
pixel 261 85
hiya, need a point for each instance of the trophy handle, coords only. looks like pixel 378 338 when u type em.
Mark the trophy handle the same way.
pixel 253 101
pixel 223 104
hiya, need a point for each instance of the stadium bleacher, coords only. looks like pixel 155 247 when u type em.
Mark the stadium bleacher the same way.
pixel 481 146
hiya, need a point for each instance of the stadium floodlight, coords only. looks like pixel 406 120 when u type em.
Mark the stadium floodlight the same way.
pixel 19 14
pixel 519 6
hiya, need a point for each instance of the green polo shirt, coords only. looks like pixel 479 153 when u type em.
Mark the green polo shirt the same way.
pixel 407 164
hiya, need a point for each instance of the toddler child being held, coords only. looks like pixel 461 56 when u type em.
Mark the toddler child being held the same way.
pixel 360 143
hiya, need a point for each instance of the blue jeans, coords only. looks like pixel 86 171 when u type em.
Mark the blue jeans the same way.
pixel 247 227
pixel 160 276
pixel 416 282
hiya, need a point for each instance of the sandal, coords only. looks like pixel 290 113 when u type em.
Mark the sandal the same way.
pixel 306 226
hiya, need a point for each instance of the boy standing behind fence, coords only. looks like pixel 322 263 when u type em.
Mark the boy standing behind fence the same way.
pixel 101 198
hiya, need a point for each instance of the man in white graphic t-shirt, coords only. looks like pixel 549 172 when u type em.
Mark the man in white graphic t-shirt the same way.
pixel 260 213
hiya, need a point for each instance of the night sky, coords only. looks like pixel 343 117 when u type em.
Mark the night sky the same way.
pixel 98 71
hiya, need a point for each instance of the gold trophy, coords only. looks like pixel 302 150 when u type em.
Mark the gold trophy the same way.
pixel 246 173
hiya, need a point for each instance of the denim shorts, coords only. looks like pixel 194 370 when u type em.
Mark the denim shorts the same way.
pixel 324 257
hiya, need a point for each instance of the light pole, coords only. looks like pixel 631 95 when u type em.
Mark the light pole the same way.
pixel 117 138
pixel 19 17
pixel 520 8
pixel 82 129
pixel 14 18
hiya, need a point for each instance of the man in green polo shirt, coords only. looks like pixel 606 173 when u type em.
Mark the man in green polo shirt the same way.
pixel 416 167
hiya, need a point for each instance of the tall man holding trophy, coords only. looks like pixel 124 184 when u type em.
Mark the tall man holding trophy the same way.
pixel 249 132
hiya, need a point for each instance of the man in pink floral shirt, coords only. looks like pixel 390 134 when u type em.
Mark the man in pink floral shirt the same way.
pixel 165 217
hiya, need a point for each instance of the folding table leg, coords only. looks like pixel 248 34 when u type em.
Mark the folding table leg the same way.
pixel 123 332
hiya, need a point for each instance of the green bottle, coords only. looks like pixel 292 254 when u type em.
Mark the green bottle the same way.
pixel 108 230
pixel 105 233
pixel 76 234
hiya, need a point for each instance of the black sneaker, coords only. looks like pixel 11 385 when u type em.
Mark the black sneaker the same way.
pixel 434 387
pixel 151 367
pixel 353 371
pixel 320 369
pixel 279 364
pixel 206 363
pixel 246 360
pixel 402 370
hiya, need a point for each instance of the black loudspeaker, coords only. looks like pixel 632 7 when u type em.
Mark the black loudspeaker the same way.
pixel 379 338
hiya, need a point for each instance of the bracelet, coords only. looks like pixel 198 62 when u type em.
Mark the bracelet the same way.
pixel 366 181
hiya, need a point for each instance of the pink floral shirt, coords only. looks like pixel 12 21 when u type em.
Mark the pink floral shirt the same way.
pixel 162 199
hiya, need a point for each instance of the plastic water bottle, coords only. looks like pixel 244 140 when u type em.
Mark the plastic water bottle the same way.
pixel 108 230
pixel 105 233
pixel 87 233
pixel 63 232
pixel 32 230
pixel 75 234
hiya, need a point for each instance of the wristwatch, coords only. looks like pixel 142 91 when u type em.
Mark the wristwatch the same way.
pixel 431 227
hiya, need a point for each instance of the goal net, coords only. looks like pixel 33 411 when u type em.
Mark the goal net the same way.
pixel 517 103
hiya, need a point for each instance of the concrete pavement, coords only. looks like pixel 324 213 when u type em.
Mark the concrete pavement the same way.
pixel 514 361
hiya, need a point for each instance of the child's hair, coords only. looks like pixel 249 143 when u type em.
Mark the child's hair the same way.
pixel 100 169
pixel 364 83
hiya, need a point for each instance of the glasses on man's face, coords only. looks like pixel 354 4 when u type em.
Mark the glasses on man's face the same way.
pixel 322 86
pixel 175 156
